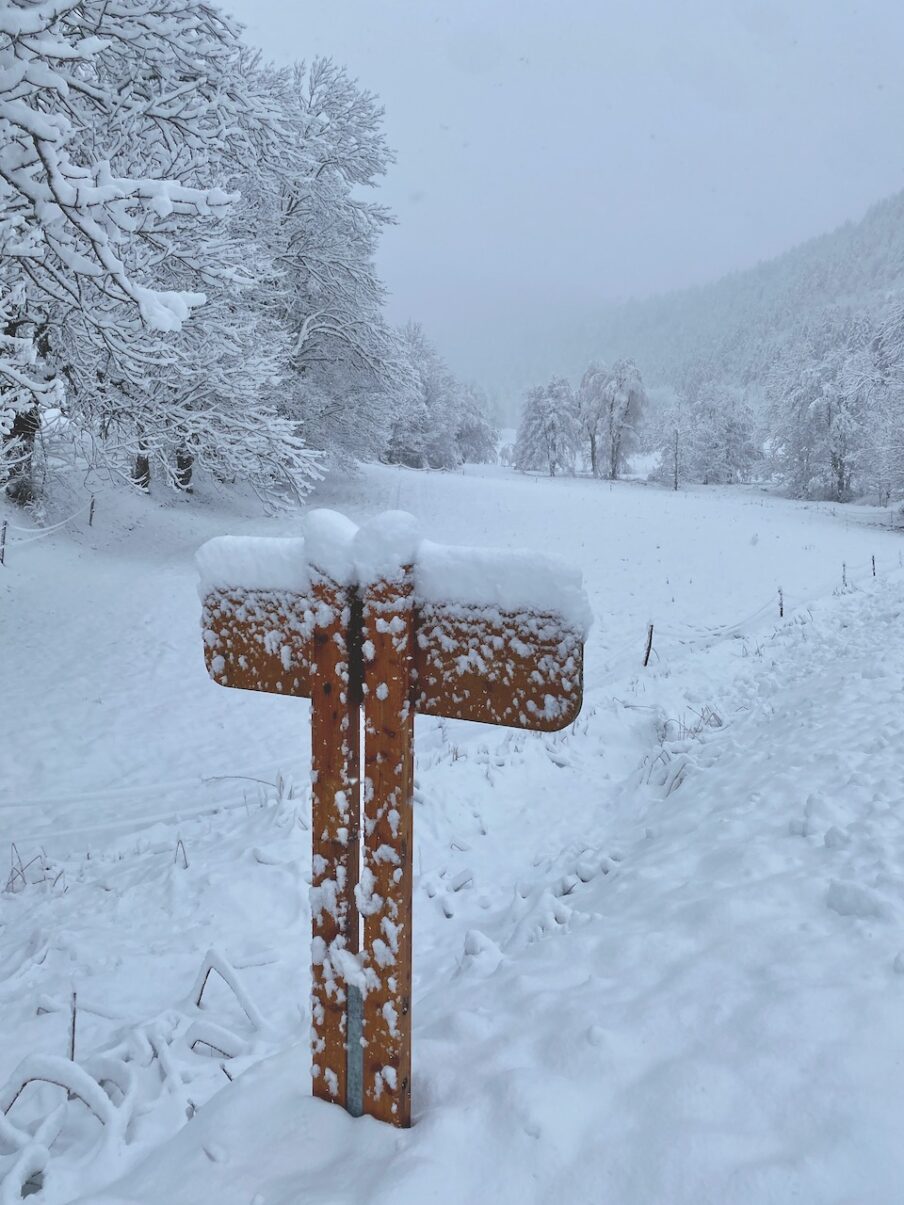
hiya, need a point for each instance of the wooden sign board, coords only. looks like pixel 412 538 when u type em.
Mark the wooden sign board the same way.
pixel 375 625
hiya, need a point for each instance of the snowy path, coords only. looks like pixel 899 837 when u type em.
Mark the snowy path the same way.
pixel 650 966
pixel 717 1018
pixel 709 1011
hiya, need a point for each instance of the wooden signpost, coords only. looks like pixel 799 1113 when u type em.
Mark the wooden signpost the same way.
pixel 375 625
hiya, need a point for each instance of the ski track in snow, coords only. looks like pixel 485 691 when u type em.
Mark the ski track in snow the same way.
pixel 658 957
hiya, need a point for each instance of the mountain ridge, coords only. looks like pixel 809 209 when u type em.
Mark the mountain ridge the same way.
pixel 743 318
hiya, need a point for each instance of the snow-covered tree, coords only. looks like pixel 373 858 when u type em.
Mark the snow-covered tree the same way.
pixel 346 370
pixel 441 423
pixel 819 410
pixel 706 432
pixel 625 398
pixel 593 400
pixel 424 432
pixel 110 113
pixel 672 441
pixel 476 436
pixel 720 438
pixel 884 389
pixel 549 432
pixel 188 262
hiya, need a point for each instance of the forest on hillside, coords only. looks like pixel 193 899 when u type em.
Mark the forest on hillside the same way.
pixel 792 371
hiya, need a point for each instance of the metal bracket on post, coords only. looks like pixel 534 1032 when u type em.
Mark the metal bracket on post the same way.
pixel 354 1089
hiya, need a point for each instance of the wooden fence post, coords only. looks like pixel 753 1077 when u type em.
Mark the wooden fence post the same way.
pixel 386 874
pixel 335 807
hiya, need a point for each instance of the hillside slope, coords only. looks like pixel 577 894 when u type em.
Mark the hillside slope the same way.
pixel 739 321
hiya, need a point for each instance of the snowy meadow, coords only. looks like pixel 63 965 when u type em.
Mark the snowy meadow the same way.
pixel 531 278
pixel 656 955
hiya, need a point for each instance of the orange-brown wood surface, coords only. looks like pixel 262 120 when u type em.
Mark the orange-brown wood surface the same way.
pixel 258 640
pixel 370 651
pixel 388 645
pixel 523 671
pixel 335 809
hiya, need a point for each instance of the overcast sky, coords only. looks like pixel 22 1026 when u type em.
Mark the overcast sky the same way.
pixel 556 154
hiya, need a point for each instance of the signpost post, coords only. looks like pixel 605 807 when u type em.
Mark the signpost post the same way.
pixel 375 625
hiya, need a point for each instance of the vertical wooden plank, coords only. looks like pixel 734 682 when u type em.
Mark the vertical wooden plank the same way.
pixel 386 875
pixel 335 818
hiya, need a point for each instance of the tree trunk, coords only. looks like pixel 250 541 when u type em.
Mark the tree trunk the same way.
pixel 842 484
pixel 676 459
pixel 185 463
pixel 594 456
pixel 21 487
pixel 141 473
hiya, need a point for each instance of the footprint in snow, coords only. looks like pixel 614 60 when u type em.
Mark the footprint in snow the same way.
pixel 481 954
pixel 849 899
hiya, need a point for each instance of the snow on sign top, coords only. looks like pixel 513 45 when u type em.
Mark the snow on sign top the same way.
pixel 329 539
pixel 500 580
pixel 385 545
pixel 484 578
pixel 253 563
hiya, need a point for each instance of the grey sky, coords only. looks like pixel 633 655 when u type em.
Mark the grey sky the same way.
pixel 556 155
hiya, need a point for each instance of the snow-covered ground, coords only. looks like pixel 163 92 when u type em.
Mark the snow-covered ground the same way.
pixel 658 957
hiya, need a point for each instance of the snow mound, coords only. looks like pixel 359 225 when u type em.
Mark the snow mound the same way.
pixel 385 545
pixel 329 538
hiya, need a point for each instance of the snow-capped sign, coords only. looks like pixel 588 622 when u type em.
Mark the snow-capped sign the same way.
pixel 375 622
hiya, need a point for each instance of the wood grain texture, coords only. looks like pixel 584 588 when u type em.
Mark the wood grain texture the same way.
pixel 335 815
pixel 259 640
pixel 386 878
pixel 522 670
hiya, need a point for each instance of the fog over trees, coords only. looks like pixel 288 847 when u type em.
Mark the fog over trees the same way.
pixel 791 373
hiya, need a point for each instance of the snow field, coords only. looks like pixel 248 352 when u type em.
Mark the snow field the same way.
pixel 655 955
